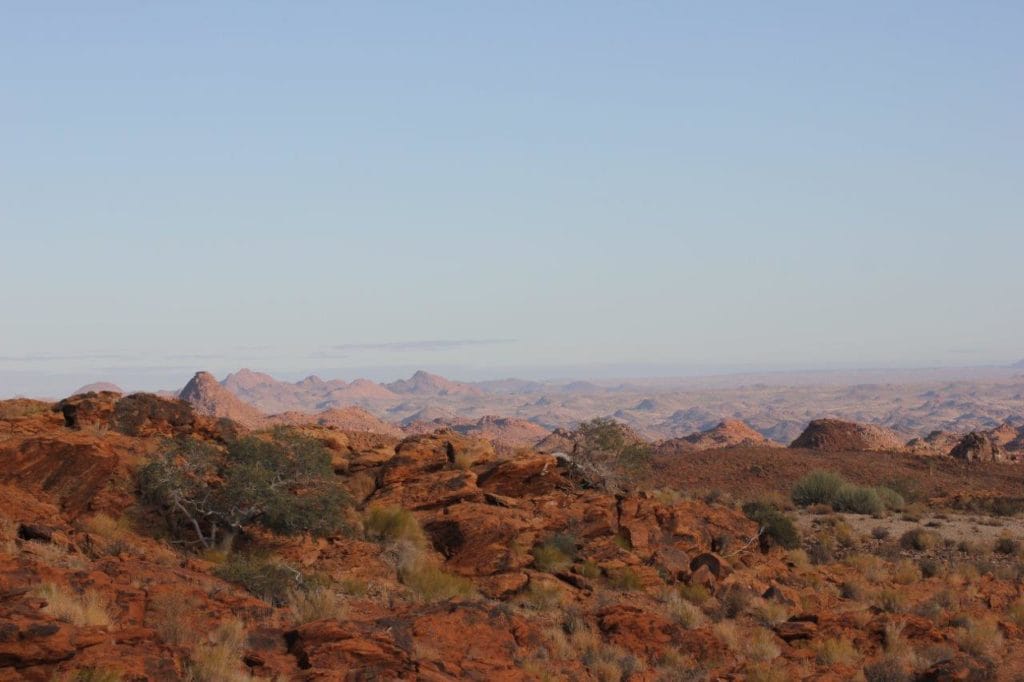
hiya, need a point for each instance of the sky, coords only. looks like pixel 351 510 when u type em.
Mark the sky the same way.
pixel 488 189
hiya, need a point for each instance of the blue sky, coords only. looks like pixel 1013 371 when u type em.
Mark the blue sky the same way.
pixel 487 188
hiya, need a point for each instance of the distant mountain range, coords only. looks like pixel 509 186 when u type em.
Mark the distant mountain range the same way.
pixel 779 411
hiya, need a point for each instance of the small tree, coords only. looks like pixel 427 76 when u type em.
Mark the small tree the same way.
pixel 284 483
pixel 608 456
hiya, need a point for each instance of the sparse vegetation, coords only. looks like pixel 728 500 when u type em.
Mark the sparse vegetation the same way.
pixel 774 523
pixel 283 482
pixel 432 583
pixel 555 553
pixel 394 524
pixel 219 659
pixel 920 539
pixel 829 488
pixel 607 457
pixel 316 603
pixel 268 578
pixel 86 608
pixel 834 650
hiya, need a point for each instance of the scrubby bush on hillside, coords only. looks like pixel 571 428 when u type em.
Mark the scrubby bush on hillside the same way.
pixel 774 524
pixel 858 499
pixel 829 488
pixel 270 579
pixel 394 524
pixel 607 457
pixel 817 487
pixel 555 553
pixel 283 482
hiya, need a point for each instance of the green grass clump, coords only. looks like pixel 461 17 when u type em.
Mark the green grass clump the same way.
pixel 432 583
pixel 555 553
pixel 394 524
pixel 817 487
pixel 829 488
pixel 858 500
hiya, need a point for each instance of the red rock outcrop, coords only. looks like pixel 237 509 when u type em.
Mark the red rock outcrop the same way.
pixel 209 398
pixel 730 433
pixel 978 447
pixel 835 435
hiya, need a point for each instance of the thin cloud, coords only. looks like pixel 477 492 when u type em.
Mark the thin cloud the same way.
pixel 429 345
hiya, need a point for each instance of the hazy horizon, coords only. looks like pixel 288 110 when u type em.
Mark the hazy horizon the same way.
pixel 162 378
pixel 475 189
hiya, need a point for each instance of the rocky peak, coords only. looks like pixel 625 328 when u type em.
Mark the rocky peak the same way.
pixel 835 435
pixel 210 398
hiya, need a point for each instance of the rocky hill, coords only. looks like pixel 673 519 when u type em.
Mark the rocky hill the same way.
pixel 730 433
pixel 425 384
pixel 444 560
pixel 208 397
pixel 98 387
pixel 835 435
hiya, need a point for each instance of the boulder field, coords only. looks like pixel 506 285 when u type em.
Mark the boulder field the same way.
pixel 554 581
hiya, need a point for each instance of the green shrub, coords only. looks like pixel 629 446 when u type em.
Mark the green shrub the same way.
pixel 817 487
pixel 774 524
pixel 892 500
pixel 432 583
pixel 283 482
pixel 858 500
pixel 394 524
pixel 270 579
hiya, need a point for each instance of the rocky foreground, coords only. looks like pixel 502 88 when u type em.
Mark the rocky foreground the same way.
pixel 454 563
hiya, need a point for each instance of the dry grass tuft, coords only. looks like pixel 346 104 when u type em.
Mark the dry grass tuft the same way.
pixel 319 603
pixel 219 659
pixel 980 636
pixel 88 608
pixel 834 651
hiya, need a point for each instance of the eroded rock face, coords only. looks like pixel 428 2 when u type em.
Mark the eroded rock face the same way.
pixel 978 447
pixel 88 409
pixel 835 435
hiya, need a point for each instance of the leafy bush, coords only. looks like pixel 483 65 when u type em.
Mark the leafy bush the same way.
pixel 826 487
pixel 891 499
pixel 394 524
pixel 271 580
pixel 774 524
pixel 284 483
pixel 607 457
pixel 817 487
pixel 858 500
